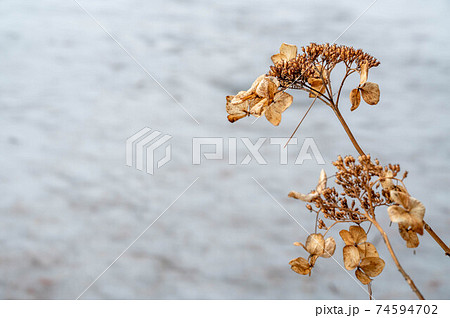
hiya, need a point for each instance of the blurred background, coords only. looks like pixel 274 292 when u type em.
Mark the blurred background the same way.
pixel 70 97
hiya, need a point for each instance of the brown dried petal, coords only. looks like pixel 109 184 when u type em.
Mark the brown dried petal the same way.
pixel 317 85
pixel 372 266
pixel 364 73
pixel 278 58
pixel 358 234
pixel 315 244
pixel 255 84
pixel 351 257
pixel 411 238
pixel 300 266
pixel 386 180
pixel 236 111
pixel 398 214
pixel 417 212
pixel 347 237
pixel 304 197
pixel 259 106
pixel 330 247
pixel 267 87
pixel 322 184
pixel 370 93
pixel 367 249
pixel 355 99
pixel 400 198
pixel 281 102
pixel 362 277
pixel 288 50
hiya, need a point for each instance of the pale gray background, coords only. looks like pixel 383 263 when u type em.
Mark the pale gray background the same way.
pixel 70 97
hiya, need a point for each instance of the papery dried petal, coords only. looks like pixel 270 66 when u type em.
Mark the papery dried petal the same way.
pixel 276 58
pixel 417 212
pixel 370 93
pixel 330 247
pixel 372 266
pixel 315 244
pixel 289 50
pixel 351 257
pixel 281 102
pixel 316 85
pixel 411 238
pixel 400 198
pixel 362 277
pixel 304 197
pixel 258 108
pixel 236 111
pixel 358 234
pixel 364 73
pixel 267 87
pixel 255 84
pixel 367 249
pixel 398 214
pixel 300 266
pixel 347 237
pixel 386 180
pixel 313 259
pixel 322 184
pixel 355 99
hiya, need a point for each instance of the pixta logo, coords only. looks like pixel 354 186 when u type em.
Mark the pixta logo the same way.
pixel 141 147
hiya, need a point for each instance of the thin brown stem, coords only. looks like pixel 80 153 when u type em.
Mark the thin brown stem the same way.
pixel 347 130
pixel 395 259
pixel 437 239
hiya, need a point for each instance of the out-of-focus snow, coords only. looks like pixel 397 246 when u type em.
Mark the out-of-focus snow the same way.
pixel 70 97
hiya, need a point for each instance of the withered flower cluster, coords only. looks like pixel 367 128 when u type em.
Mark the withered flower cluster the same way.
pixel 362 185
pixel 308 71
pixel 296 72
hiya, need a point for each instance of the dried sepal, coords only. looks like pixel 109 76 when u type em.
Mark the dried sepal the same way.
pixel 317 85
pixel 289 50
pixel 351 257
pixel 386 180
pixel 358 234
pixel 370 93
pixel 267 87
pixel 367 249
pixel 347 237
pixel 362 277
pixel 322 184
pixel 400 197
pixel 330 247
pixel 364 73
pixel 300 266
pixel 355 99
pixel 236 111
pixel 372 266
pixel 304 197
pixel 281 102
pixel 412 217
pixel 411 238
pixel 315 244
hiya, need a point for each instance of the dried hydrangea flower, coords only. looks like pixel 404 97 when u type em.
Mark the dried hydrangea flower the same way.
pixel 409 212
pixel 300 266
pixel 411 238
pixel 262 97
pixel 360 254
pixel 321 185
pixel 317 247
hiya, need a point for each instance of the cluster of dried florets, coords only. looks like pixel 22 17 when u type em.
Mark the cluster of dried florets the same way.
pixel 308 71
pixel 364 186
pixel 297 71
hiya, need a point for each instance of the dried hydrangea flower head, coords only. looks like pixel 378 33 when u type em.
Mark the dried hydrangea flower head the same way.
pixel 361 254
pixel 317 247
pixel 263 97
